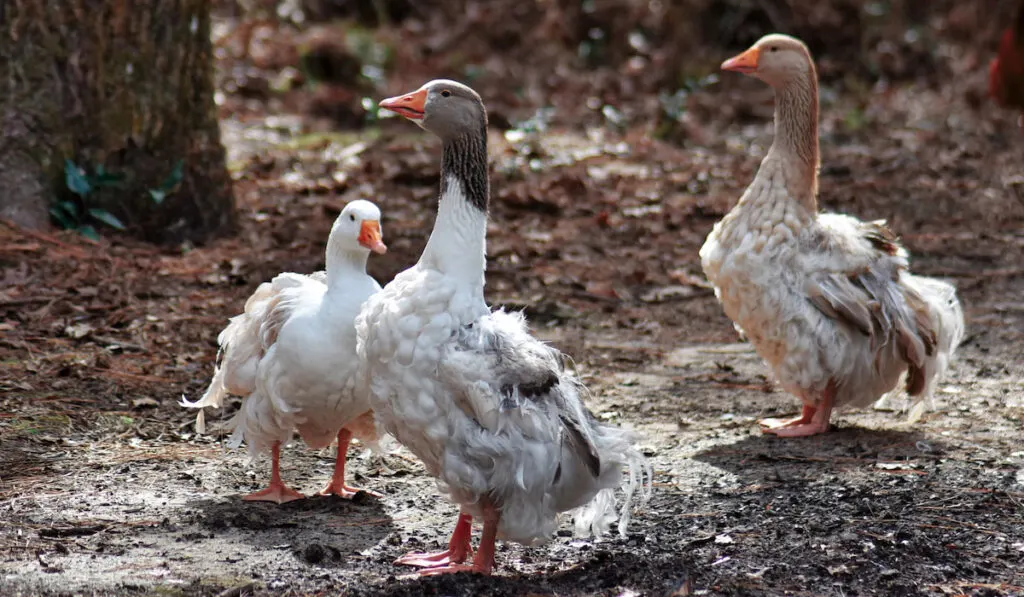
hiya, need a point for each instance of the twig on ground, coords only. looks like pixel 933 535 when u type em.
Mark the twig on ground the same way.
pixel 72 531
pixel 239 591
pixel 134 376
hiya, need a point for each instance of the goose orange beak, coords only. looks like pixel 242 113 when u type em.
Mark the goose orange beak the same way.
pixel 745 63
pixel 410 105
pixel 370 237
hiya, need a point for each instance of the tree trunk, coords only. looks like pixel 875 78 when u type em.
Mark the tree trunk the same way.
pixel 108 105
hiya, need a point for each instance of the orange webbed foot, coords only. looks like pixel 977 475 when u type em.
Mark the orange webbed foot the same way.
pixel 433 560
pixel 812 421
pixel 455 568
pixel 458 550
pixel 276 492
pixel 797 430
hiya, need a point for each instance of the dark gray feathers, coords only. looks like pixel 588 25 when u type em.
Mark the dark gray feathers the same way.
pixel 530 374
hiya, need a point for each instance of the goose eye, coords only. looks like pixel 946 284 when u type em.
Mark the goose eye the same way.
pixel 352 217
pixel 774 49
pixel 446 93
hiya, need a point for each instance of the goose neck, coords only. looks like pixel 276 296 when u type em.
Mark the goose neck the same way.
pixel 457 245
pixel 795 147
pixel 343 266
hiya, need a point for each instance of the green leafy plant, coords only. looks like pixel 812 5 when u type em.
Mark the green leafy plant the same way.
pixel 674 105
pixel 168 185
pixel 75 213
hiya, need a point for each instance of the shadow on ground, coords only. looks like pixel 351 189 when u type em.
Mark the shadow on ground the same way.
pixel 755 456
pixel 603 572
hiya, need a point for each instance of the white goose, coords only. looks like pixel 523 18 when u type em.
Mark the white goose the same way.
pixel 827 300
pixel 292 356
pixel 490 410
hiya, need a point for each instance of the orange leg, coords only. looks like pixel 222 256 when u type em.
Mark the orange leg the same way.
pixel 483 561
pixel 276 491
pixel 812 421
pixel 337 485
pixel 458 548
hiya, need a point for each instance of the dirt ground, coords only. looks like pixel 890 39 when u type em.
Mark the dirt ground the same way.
pixel 600 205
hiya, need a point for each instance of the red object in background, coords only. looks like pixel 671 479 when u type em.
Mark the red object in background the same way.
pixel 1006 72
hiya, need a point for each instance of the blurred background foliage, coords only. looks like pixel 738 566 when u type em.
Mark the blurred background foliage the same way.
pixel 622 61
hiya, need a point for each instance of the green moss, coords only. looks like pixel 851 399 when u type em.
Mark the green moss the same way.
pixel 113 422
pixel 49 424
pixel 221 583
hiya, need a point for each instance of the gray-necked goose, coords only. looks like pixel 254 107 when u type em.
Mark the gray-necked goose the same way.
pixel 489 409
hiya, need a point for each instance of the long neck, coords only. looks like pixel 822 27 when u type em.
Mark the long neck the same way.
pixel 458 244
pixel 794 150
pixel 344 266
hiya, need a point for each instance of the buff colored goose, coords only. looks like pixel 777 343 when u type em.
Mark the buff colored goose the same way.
pixel 827 300
pixel 491 411
pixel 292 356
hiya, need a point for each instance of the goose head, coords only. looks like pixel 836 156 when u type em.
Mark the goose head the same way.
pixel 446 108
pixel 776 59
pixel 357 229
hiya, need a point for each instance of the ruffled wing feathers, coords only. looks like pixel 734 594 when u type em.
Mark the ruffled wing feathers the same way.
pixel 516 372
pixel 247 338
pixel 861 283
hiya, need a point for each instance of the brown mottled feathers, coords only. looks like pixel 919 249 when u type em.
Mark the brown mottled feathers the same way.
pixel 881 238
pixel 916 377
pixel 866 301
pixel 852 313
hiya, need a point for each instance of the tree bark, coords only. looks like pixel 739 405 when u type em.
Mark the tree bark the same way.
pixel 125 86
